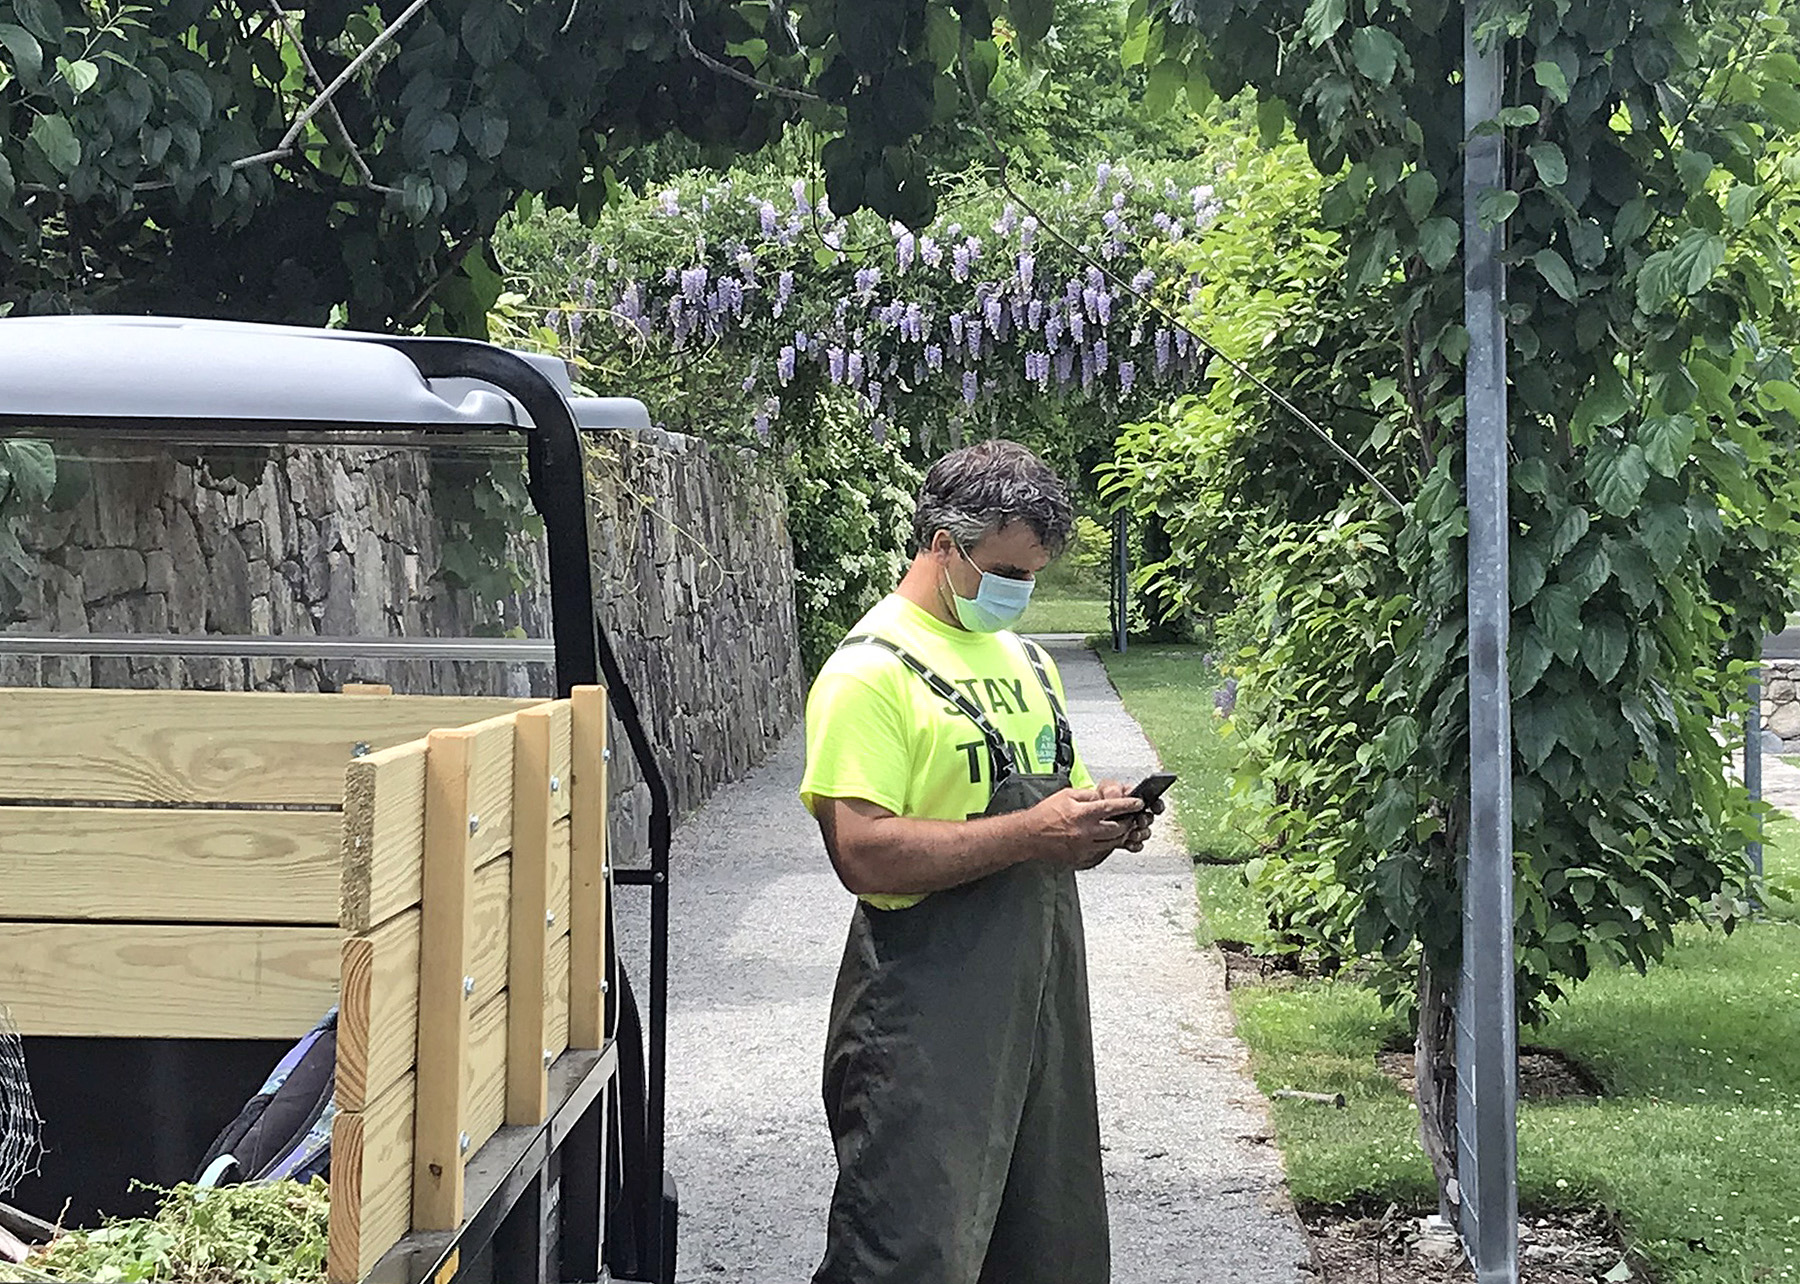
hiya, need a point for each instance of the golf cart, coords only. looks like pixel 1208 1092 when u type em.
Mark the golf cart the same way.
pixel 283 763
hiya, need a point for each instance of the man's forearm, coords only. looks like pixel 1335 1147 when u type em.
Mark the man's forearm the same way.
pixel 906 856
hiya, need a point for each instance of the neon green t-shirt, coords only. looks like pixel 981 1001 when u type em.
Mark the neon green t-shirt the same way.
pixel 875 731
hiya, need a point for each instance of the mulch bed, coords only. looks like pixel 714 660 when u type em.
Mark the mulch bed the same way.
pixel 1545 1074
pixel 1352 1247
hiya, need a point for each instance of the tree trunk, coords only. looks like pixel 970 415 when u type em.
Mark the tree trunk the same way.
pixel 1434 1073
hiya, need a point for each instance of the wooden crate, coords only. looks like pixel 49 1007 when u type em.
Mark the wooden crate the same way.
pixel 229 865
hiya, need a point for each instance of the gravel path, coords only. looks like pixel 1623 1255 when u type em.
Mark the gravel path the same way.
pixel 1194 1187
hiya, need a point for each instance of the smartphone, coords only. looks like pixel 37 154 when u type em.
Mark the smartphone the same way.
pixel 1150 788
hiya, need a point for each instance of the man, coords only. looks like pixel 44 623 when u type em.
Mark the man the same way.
pixel 959 1071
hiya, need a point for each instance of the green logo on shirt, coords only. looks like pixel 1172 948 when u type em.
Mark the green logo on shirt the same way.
pixel 1046 747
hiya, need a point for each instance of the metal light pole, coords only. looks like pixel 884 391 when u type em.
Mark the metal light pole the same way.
pixel 1486 1023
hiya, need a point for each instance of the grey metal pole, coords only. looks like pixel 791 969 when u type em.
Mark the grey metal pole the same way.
pixel 1487 1032
pixel 1121 580
pixel 1753 734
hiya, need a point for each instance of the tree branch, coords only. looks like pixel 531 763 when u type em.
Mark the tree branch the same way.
pixel 729 72
pixel 356 156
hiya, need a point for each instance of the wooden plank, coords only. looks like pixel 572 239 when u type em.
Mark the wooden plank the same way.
pixel 169 865
pixel 559 877
pixel 528 1080
pixel 484 1071
pixel 490 928
pixel 384 835
pixel 193 981
pixel 206 746
pixel 445 928
pixel 560 749
pixel 371 1183
pixel 491 787
pixel 365 688
pixel 556 1001
pixel 378 1014
pixel 588 910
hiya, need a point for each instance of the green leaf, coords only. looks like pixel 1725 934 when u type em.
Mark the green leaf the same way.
pixel 1667 440
pixel 1322 20
pixel 33 468
pixel 1607 402
pixel 1741 203
pixel 1587 242
pixel 1438 239
pixel 1167 79
pixel 55 138
pixel 43 17
pixel 1032 19
pixel 1555 270
pixel 1271 120
pixel 1377 53
pixel 1392 814
pixel 1517 117
pixel 1557 611
pixel 943 38
pixel 1551 165
pixel 1200 92
pixel 26 53
pixel 1571 525
pixel 1131 52
pixel 1531 656
pixel 1635 218
pixel 1779 394
pixel 1698 255
pixel 189 88
pixel 1617 476
pixel 1420 192
pixel 80 75
pixel 491 30
pixel 1551 80
pixel 1398 740
pixel 1603 646
pixel 486 129
pixel 1663 533
pixel 1496 206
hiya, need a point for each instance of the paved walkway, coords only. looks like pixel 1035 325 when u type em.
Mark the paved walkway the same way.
pixel 1194 1188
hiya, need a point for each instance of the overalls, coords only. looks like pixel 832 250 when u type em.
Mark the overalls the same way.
pixel 959 1068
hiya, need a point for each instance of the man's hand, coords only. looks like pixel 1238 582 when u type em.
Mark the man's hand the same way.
pixel 1081 827
pixel 1138 824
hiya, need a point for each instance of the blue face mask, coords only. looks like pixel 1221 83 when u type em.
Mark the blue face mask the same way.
pixel 997 604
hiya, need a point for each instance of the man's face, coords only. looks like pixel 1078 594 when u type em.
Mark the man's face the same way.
pixel 1013 552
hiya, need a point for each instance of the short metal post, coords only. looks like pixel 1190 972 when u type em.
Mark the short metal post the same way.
pixel 1121 579
pixel 1753 736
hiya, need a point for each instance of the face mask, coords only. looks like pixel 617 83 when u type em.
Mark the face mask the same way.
pixel 997 604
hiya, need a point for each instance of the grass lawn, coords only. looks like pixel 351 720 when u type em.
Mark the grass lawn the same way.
pixel 1054 610
pixel 1694 1143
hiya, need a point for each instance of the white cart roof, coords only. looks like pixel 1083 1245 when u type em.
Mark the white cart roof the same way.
pixel 95 370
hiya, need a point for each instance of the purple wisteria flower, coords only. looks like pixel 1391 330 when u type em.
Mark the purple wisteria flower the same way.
pixel 1162 349
pixel 878 429
pixel 784 290
pixel 867 279
pixel 801 341
pixel 670 202
pixel 1028 231
pixel 956 328
pixel 934 358
pixel 854 370
pixel 1027 269
pixel 693 283
pixel 1100 355
pixel 959 268
pixel 912 324
pixel 1103 301
pixel 784 364
pixel 930 252
pixel 1161 221
pixel 1127 376
pixel 834 358
pixel 1053 328
pixel 994 315
pixel 1110 220
pixel 768 218
pixel 1008 220
pixel 798 190
pixel 1034 315
pixel 749 383
pixel 1102 174
pixel 1065 367
pixel 1145 278
pixel 1077 325
pixel 904 250
pixel 971 386
pixel 873 392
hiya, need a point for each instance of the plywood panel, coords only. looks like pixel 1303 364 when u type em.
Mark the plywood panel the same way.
pixel 378 1020
pixel 491 787
pixel 560 762
pixel 169 865
pixel 182 982
pixel 526 1087
pixel 490 928
pixel 206 746
pixel 371 1183
pixel 556 1005
pixel 559 876
pixel 384 835
pixel 588 911
pixel 484 1071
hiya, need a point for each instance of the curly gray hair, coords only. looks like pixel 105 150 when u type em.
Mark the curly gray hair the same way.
pixel 973 492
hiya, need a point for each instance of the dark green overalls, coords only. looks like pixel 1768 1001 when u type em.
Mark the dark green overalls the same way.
pixel 959 1068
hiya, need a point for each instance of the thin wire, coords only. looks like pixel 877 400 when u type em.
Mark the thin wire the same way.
pixel 1001 162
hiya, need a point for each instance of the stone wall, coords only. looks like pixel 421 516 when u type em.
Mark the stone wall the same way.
pixel 693 574
pixel 1781 706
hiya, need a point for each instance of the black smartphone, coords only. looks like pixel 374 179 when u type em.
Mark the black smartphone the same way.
pixel 1150 788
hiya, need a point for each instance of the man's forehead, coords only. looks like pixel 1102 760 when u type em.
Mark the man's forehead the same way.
pixel 1016 544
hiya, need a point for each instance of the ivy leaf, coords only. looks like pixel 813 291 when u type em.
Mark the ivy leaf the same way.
pixel 26 53
pixel 1603 646
pixel 1555 270
pixel 1551 80
pixel 1377 53
pixel 1667 440
pixel 1617 476
pixel 1438 239
pixel 1496 206
pixel 1551 165
pixel 491 31
pixel 52 134
pixel 1322 20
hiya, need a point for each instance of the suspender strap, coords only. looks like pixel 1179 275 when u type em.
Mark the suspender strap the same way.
pixel 1000 759
pixel 1065 744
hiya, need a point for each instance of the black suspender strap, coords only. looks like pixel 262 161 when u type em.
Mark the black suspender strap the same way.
pixel 1065 743
pixel 1000 759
